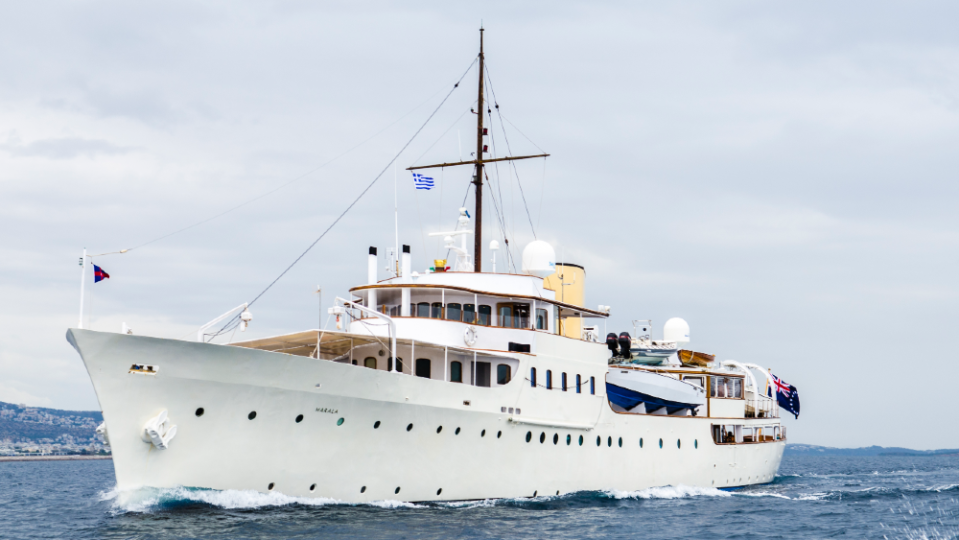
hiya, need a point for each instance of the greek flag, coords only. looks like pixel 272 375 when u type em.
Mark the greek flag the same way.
pixel 422 182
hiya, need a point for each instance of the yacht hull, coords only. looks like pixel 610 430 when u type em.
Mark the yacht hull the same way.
pixel 389 444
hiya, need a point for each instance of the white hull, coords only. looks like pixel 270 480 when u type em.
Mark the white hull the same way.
pixel 223 449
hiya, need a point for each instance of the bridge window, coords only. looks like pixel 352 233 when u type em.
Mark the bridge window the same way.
pixel 549 379
pixel 469 313
pixel 532 377
pixel 726 387
pixel 423 367
pixel 563 382
pixel 453 312
pixel 437 310
pixel 579 384
pixel 485 316
pixel 456 371
pixel 505 315
pixel 502 374
pixel 541 320
pixel 423 309
pixel 370 362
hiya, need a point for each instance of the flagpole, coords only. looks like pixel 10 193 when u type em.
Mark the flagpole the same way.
pixel 83 279
pixel 396 224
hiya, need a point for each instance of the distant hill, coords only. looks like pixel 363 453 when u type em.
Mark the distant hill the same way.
pixel 813 450
pixel 22 424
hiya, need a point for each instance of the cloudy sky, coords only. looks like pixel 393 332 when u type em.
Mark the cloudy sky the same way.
pixel 781 175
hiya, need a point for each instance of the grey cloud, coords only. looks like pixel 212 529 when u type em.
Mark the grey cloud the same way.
pixel 64 148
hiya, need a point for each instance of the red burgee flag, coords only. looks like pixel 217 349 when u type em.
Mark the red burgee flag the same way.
pixel 99 275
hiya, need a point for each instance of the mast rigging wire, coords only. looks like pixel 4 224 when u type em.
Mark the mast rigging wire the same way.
pixel 236 318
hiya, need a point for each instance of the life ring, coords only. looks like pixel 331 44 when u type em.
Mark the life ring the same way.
pixel 470 336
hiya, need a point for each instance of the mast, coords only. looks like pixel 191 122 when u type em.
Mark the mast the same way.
pixel 478 178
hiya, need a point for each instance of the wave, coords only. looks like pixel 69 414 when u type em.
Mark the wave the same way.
pixel 668 492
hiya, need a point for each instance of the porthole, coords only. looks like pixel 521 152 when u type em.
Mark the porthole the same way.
pixel 609 442
pixel 534 493
pixel 679 444
pixel 409 427
pixel 695 443
pixel 376 425
pixel 557 492
pixel 581 440
pixel 363 489
pixel 620 442
pixel 457 431
pixel 299 418
pixel 312 487
pixel 542 438
pixel 397 490
pixel 529 436
pixel 483 433
pixel 270 487
pixel 640 442
pixel 499 434
pixel 599 440
pixel 199 412
pixel 555 438
pixel 340 422
pixel 569 440
pixel 660 443
pixel 438 491
pixel 252 415
pixel 439 429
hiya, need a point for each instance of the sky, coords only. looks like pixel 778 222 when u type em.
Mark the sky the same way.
pixel 781 175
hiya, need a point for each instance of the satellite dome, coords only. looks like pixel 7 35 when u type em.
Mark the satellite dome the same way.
pixel 539 259
pixel 676 330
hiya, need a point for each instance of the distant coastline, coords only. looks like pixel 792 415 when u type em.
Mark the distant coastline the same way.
pixel 813 450
pixel 76 457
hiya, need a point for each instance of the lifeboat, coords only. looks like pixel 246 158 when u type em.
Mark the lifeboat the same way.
pixel 628 388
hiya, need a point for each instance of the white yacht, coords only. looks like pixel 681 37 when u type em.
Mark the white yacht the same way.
pixel 452 384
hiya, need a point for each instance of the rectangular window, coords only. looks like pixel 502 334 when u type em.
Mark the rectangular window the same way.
pixel 564 381
pixel 502 374
pixel 456 371
pixel 592 385
pixel 520 315
pixel 737 388
pixel 423 367
pixel 549 379
pixel 485 315
pixel 541 319
pixel 532 377
pixel 469 313
pixel 579 384
pixel 482 374
pixel 423 309
pixel 505 316
pixel 370 362
pixel 453 312
pixel 399 364
pixel 437 310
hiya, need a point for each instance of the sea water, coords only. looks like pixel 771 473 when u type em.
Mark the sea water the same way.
pixel 811 497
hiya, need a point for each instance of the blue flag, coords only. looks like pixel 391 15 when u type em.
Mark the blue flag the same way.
pixel 422 182
pixel 786 395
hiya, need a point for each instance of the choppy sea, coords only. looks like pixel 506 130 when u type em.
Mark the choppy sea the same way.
pixel 812 497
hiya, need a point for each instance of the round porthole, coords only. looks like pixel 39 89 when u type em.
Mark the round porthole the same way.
pixel 569 440
pixel 581 440
pixel 620 442
pixel 599 440
pixel 252 415
pixel 340 422
pixel 438 491
pixel 499 434
pixel 679 444
pixel 376 425
pixel 409 427
pixel 397 490
pixel 199 412
pixel 640 442
pixel 439 429
pixel 534 493
pixel 542 438
pixel 660 443
pixel 270 487
pixel 299 418
pixel 529 436
pixel 557 492
pixel 363 489
pixel 696 443
pixel 555 438
pixel 312 487
pixel 609 442
pixel 457 431
pixel 483 433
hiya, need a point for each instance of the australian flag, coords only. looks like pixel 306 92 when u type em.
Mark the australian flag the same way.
pixel 786 395
pixel 422 182
pixel 99 275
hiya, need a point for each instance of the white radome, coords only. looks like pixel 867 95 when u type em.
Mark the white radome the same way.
pixel 676 330
pixel 539 259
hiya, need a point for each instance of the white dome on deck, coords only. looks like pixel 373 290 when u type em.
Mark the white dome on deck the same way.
pixel 539 259
pixel 676 330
